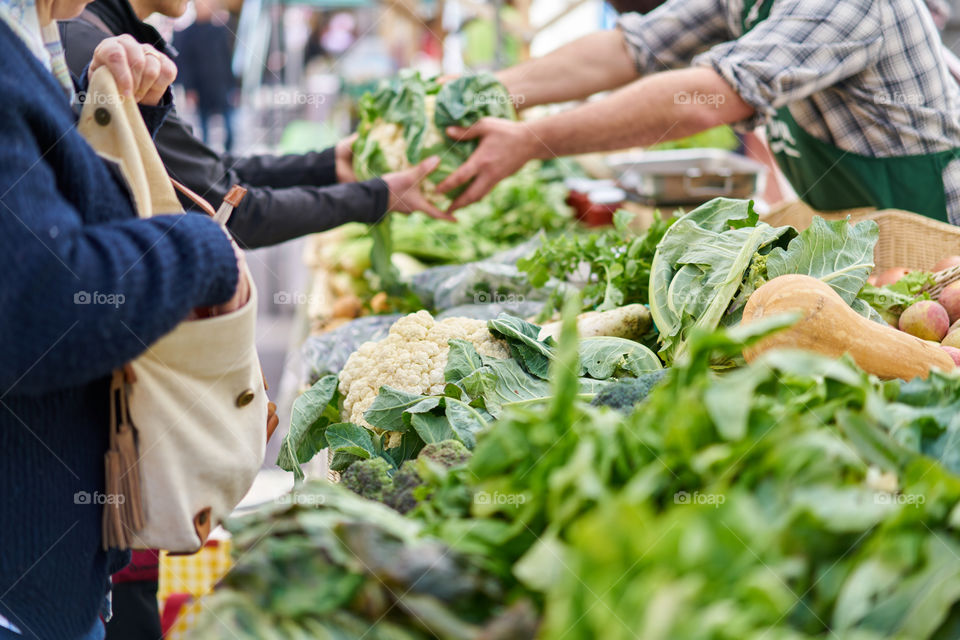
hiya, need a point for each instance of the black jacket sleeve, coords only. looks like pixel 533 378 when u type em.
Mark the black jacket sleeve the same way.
pixel 281 201
pixel 285 197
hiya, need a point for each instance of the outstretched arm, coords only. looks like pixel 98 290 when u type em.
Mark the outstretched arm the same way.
pixel 664 106
pixel 597 62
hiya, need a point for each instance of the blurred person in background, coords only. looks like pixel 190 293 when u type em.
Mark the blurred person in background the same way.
pixel 288 196
pixel 205 50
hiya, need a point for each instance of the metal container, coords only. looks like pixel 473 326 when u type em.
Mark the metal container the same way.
pixel 688 176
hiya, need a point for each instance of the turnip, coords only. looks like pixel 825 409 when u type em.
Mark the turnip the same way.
pixel 890 276
pixel 925 319
pixel 950 299
pixel 954 353
pixel 946 263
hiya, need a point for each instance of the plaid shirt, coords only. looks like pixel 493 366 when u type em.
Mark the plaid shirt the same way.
pixel 867 76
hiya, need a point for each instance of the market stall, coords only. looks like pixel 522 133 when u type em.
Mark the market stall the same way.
pixel 699 422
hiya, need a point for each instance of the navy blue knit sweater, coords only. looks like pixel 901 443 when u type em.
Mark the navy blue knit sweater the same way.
pixel 68 233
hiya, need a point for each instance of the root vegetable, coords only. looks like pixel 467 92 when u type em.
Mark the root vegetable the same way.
pixel 946 263
pixel 950 299
pixel 630 322
pixel 926 319
pixel 890 276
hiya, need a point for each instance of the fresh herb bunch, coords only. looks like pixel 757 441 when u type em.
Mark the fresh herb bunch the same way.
pixel 613 264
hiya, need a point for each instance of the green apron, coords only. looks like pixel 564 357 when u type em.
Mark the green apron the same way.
pixel 829 178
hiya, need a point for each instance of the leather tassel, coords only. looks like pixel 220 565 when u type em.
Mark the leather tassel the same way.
pixel 123 511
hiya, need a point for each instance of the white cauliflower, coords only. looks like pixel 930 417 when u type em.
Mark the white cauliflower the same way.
pixel 411 358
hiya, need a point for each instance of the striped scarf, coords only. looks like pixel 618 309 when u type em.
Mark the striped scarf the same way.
pixel 43 42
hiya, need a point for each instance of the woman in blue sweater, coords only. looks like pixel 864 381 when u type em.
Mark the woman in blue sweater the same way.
pixel 86 287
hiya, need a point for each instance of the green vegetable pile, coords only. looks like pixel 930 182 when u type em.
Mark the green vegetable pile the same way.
pixel 479 389
pixel 796 497
pixel 578 489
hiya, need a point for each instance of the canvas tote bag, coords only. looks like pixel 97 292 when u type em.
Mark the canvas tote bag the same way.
pixel 188 417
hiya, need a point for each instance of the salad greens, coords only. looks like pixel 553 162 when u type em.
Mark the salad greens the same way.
pixel 891 300
pixel 713 258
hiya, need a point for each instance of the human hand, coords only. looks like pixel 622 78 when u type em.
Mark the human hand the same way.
pixel 241 294
pixel 505 146
pixel 344 159
pixel 141 72
pixel 406 195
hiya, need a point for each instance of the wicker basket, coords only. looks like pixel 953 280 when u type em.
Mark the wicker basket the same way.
pixel 906 239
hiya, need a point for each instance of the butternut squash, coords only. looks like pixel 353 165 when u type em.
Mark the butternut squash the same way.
pixel 830 327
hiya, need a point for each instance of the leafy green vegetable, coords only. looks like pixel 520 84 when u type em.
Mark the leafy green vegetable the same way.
pixel 405 120
pixel 890 300
pixel 312 412
pixel 329 564
pixel 612 265
pixel 714 257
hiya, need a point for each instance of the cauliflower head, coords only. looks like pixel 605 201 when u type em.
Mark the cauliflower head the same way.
pixel 411 358
pixel 389 137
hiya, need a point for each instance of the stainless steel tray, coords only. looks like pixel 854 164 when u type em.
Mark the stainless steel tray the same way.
pixel 688 176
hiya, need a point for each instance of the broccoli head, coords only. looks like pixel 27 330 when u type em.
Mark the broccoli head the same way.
pixel 626 393
pixel 369 478
pixel 405 481
pixel 448 453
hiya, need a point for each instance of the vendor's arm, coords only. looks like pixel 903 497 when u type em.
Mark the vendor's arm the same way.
pixel 664 106
pixel 802 48
pixel 597 62
pixel 666 38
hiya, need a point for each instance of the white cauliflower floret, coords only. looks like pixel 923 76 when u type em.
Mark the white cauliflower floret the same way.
pixel 389 136
pixel 411 358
